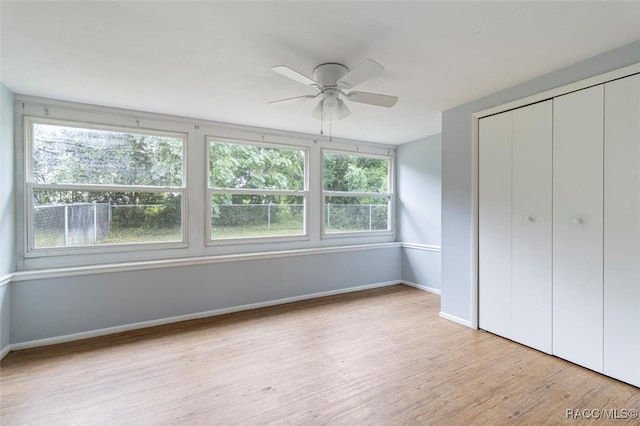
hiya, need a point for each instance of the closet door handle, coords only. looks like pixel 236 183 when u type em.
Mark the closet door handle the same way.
pixel 529 219
pixel 578 221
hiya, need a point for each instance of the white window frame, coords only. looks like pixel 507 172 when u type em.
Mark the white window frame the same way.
pixel 304 193
pixel 30 186
pixel 195 205
pixel 389 195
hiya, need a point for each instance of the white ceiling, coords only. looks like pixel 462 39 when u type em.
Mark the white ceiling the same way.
pixel 212 60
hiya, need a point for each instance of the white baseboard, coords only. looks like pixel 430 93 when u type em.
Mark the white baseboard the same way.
pixel 421 287
pixel 187 317
pixel 5 351
pixel 456 319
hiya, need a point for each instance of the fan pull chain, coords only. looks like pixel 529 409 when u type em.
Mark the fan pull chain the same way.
pixel 330 128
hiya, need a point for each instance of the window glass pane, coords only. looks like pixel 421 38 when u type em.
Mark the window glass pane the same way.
pixel 241 215
pixel 89 156
pixel 83 218
pixel 355 214
pixel 248 166
pixel 353 173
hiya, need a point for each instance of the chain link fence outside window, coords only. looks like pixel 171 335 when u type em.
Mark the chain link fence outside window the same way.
pixel 84 224
pixel 356 217
pixel 78 224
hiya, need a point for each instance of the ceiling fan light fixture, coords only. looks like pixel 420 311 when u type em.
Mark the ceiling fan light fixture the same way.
pixel 318 111
pixel 330 101
pixel 343 110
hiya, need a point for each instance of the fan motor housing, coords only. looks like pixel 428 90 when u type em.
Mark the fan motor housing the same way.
pixel 328 74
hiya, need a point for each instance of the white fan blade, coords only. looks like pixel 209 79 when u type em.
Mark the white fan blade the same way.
pixel 295 75
pixel 343 110
pixel 296 98
pixel 373 99
pixel 362 72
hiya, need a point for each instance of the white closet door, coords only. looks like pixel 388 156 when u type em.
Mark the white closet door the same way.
pixel 622 230
pixel 494 214
pixel 578 227
pixel 531 225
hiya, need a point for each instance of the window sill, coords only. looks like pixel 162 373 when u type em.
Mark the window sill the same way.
pixel 191 261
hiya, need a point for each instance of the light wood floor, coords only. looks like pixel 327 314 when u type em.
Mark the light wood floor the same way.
pixel 378 357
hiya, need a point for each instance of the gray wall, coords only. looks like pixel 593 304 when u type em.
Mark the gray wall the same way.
pixel 418 187
pixel 7 222
pixel 418 218
pixel 422 268
pixel 456 170
pixel 53 307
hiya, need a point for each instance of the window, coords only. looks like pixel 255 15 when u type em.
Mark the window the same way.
pixel 102 186
pixel 356 192
pixel 256 191
pixel 95 183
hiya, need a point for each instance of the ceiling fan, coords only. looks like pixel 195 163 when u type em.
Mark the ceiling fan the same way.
pixel 331 79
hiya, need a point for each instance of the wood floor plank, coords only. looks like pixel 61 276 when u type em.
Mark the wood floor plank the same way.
pixel 377 357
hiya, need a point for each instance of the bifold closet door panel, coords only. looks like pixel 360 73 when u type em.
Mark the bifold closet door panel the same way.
pixel 494 215
pixel 622 230
pixel 578 227
pixel 531 273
